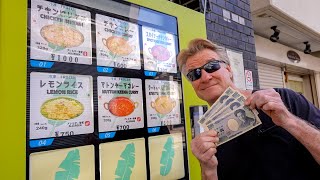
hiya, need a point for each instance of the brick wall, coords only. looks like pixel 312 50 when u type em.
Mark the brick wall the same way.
pixel 229 24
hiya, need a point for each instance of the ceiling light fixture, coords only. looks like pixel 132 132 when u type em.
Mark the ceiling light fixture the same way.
pixel 307 50
pixel 275 36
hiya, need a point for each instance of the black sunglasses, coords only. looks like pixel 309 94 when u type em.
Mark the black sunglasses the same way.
pixel 210 67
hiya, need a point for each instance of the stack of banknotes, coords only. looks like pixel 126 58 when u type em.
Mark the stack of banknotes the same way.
pixel 229 116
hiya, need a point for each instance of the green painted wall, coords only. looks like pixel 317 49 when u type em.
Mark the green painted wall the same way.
pixel 13 52
pixel 191 24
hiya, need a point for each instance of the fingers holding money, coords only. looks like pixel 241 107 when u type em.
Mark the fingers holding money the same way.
pixel 204 141
pixel 230 117
pixel 208 155
pixel 259 98
pixel 270 102
pixel 204 147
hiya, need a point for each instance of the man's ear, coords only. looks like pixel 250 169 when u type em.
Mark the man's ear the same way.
pixel 228 67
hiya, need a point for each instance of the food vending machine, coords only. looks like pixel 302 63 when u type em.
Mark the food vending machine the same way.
pixel 103 92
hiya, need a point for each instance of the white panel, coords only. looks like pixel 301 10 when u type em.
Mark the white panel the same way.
pixel 270 76
pixel 305 12
pixel 276 52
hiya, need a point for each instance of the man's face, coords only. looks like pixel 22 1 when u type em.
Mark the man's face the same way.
pixel 211 85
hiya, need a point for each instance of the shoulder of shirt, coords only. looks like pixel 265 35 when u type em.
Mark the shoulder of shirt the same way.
pixel 279 90
pixel 288 95
pixel 286 91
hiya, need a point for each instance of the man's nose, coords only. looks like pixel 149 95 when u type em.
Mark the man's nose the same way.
pixel 205 76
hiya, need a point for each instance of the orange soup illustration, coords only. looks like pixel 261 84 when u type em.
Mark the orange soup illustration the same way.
pixel 163 104
pixel 62 35
pixel 120 106
pixel 118 45
pixel 160 53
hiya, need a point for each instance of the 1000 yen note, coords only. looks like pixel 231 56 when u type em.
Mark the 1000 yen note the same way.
pixel 230 106
pixel 216 105
pixel 234 124
pixel 226 105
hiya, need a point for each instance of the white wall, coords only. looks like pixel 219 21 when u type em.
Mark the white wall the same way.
pixel 305 11
pixel 278 53
pixel 258 4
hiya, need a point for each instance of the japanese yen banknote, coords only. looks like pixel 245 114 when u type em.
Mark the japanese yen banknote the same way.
pixel 229 116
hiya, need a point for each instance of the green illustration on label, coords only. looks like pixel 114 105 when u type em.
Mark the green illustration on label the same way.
pixel 167 157
pixel 69 168
pixel 126 163
pixel 55 48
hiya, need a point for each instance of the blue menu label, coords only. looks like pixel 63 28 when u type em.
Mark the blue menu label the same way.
pixel 41 64
pixel 107 135
pixel 153 129
pixel 104 69
pixel 41 142
pixel 150 73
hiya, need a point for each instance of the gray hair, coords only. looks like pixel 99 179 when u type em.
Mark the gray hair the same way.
pixel 195 46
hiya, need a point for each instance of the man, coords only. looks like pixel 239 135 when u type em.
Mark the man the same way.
pixel 285 146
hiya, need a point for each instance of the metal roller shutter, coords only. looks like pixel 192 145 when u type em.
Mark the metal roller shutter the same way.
pixel 270 76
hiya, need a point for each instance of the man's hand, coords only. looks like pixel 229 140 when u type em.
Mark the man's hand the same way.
pixel 204 147
pixel 270 102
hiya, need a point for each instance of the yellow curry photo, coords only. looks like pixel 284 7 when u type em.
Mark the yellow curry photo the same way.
pixel 118 45
pixel 163 104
